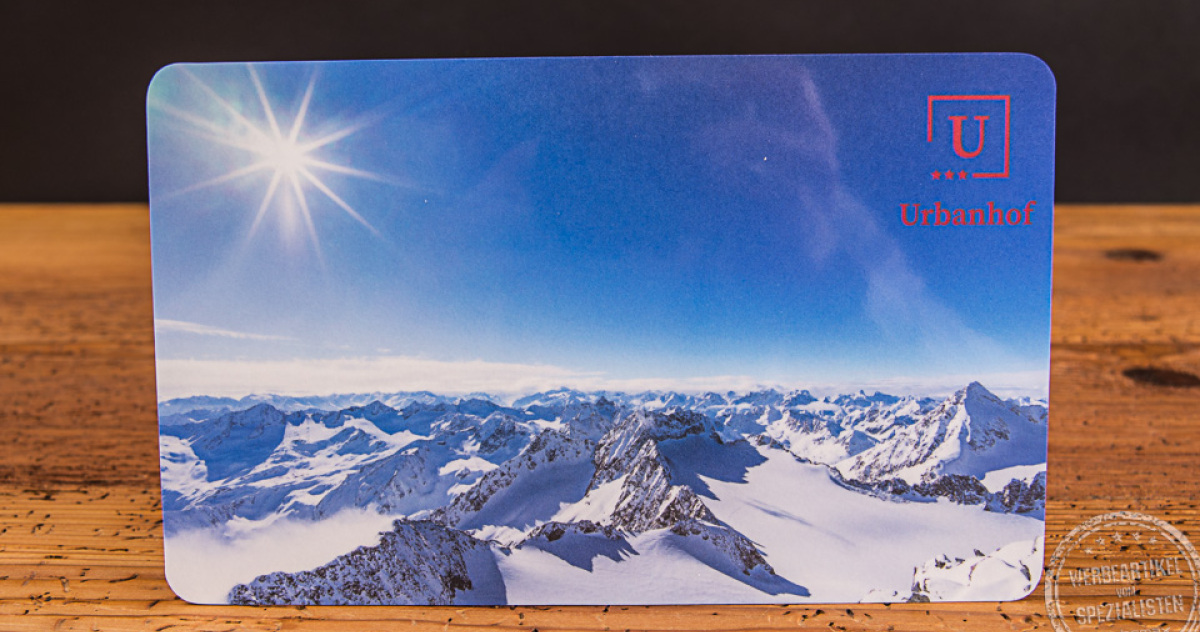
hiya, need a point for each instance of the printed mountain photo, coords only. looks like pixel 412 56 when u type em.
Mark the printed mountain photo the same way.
pixel 603 330
pixel 570 497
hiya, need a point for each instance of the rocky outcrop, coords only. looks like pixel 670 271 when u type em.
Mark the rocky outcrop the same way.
pixel 416 563
pixel 1022 497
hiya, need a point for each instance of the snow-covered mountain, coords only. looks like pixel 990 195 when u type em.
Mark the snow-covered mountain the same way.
pixel 971 433
pixel 563 496
pixel 417 563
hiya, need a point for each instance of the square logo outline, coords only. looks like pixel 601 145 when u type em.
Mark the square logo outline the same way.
pixel 1007 99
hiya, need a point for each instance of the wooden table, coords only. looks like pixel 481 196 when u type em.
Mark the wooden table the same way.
pixel 81 531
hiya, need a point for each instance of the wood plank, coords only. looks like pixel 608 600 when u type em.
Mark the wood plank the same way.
pixel 47 575
pixel 80 522
pixel 76 347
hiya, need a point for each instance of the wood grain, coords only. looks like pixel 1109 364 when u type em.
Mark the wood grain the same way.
pixel 80 521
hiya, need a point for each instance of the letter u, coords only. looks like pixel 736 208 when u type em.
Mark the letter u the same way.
pixel 958 139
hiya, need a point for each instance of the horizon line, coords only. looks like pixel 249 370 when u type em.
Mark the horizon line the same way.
pixel 820 392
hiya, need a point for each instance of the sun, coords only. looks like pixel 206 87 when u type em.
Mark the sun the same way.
pixel 284 155
pixel 286 160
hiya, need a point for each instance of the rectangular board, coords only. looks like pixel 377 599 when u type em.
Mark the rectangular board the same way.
pixel 603 330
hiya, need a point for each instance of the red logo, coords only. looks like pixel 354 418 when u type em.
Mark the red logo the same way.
pixel 971 133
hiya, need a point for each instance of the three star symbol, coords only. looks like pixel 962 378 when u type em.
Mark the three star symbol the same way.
pixel 949 175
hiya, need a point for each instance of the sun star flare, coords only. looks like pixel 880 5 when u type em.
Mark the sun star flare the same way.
pixel 285 160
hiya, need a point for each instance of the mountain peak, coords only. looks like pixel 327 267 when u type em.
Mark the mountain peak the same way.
pixel 976 391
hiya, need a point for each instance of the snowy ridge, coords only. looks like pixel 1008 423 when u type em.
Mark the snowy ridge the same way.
pixel 415 563
pixel 648 498
pixel 970 433
pixel 1018 496
pixel 547 455
pixel 1010 572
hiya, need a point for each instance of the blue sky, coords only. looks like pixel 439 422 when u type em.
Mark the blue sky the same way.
pixel 599 222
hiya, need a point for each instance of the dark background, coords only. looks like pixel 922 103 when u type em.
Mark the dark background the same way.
pixel 75 73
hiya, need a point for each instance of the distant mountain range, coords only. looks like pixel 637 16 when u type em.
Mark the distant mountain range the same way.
pixel 563 496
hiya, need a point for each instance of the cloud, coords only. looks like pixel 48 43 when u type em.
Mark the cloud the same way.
pixel 179 326
pixel 233 378
pixel 203 565
pixel 237 378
